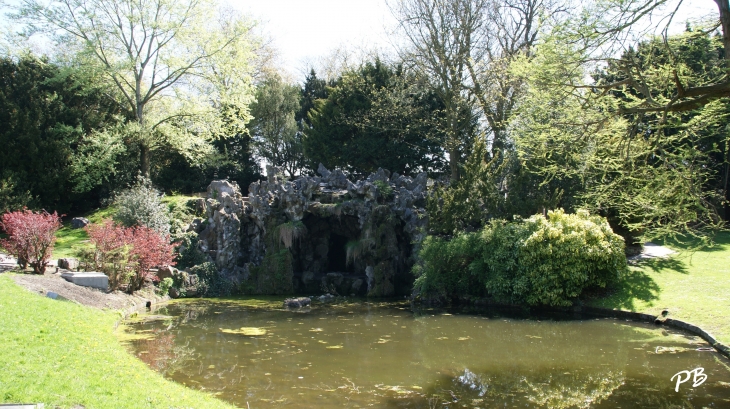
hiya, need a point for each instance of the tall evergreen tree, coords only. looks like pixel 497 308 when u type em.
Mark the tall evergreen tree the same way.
pixel 45 114
pixel 378 116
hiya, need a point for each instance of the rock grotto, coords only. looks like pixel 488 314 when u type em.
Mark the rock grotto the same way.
pixel 316 234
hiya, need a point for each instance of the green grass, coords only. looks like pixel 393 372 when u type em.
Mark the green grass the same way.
pixel 69 240
pixel 63 354
pixel 693 286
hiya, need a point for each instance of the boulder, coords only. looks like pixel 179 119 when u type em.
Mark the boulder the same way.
pixel 218 187
pixel 79 222
pixel 166 271
pixel 200 206
pixel 174 293
pixel 68 263
pixel 297 302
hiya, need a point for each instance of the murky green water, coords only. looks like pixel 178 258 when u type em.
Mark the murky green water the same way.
pixel 383 355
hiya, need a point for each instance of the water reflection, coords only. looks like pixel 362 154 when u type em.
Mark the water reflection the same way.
pixel 381 354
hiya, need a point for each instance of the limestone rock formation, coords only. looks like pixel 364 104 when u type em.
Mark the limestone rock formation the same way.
pixel 317 234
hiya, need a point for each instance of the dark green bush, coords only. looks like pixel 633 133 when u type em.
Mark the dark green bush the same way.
pixel 188 254
pixel 210 282
pixel 536 261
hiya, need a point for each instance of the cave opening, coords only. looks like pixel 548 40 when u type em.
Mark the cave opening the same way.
pixel 337 260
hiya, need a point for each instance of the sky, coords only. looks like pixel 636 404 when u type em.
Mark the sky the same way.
pixel 306 30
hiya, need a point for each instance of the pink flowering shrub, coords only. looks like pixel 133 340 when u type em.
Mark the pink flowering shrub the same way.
pixel 31 237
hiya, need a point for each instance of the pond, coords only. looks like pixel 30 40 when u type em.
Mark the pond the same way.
pixel 255 354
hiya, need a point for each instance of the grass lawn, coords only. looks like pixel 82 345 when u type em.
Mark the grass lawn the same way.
pixel 693 286
pixel 63 354
pixel 70 240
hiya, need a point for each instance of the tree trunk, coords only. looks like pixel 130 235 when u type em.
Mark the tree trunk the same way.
pixel 144 158
pixel 725 22
pixel 454 165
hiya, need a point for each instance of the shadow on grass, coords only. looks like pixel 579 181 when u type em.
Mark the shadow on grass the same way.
pixel 720 242
pixel 659 265
pixel 636 286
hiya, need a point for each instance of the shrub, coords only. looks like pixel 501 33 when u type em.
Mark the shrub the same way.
pixel 384 188
pixel 111 253
pixel 188 254
pixel 537 261
pixel 31 237
pixel 165 285
pixel 126 254
pixel 210 282
pixel 180 213
pixel 141 206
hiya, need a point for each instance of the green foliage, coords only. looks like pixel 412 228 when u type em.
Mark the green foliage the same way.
pixel 376 116
pixel 275 132
pixel 210 281
pixel 48 112
pixel 188 254
pixel 384 188
pixel 536 261
pixel 165 285
pixel 141 205
pixel 470 201
pixel 181 213
pixel 654 174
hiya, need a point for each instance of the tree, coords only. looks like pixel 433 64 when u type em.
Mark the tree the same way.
pixel 314 89
pixel 650 177
pixel 466 48
pixel 276 136
pixel 377 116
pixel 443 37
pixel 166 58
pixel 47 114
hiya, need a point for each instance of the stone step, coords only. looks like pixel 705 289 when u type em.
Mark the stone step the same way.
pixel 88 279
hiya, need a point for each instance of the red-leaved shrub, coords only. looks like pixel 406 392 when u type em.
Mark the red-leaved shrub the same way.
pixel 31 237
pixel 126 254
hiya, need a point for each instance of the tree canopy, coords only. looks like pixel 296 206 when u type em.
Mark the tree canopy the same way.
pixel 377 116
pixel 175 64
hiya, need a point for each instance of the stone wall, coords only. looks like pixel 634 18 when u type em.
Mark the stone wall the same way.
pixel 317 234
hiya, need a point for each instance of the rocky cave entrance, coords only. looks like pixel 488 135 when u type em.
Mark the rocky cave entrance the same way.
pixel 337 255
pixel 320 259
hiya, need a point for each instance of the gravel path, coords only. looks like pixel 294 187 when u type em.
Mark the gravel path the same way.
pixel 651 250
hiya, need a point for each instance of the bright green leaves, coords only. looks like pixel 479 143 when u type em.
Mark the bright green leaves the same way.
pixel 536 261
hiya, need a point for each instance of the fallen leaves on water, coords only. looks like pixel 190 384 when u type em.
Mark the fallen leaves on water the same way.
pixel 247 331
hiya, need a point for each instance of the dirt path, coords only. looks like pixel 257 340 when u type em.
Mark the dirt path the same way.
pixel 91 297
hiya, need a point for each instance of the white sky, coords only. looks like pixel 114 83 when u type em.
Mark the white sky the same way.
pixel 306 30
